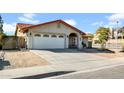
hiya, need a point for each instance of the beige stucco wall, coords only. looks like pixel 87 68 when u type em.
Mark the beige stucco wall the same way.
pixel 20 34
pixel 21 38
pixel 53 28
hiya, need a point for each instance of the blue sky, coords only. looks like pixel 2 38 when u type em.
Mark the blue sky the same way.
pixel 87 22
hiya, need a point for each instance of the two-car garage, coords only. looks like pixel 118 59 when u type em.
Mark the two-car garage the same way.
pixel 48 41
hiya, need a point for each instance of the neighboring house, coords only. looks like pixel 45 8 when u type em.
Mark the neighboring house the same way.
pixel 116 38
pixel 50 35
pixel 87 39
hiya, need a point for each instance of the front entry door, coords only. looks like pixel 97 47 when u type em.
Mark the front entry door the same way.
pixel 72 42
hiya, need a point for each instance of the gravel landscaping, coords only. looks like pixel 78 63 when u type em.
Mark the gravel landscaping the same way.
pixel 19 59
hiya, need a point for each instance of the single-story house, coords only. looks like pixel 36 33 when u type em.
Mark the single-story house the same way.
pixel 50 35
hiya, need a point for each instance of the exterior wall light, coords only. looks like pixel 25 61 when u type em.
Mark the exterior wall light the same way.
pixel 30 34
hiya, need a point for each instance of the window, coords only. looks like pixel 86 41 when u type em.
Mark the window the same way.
pixel 37 35
pixel 61 36
pixel 45 35
pixel 53 36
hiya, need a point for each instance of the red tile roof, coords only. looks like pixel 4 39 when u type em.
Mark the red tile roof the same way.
pixel 22 25
pixel 25 27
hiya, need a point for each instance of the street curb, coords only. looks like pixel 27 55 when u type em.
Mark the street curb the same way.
pixel 85 71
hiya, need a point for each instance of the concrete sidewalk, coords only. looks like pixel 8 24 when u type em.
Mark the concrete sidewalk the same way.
pixel 80 66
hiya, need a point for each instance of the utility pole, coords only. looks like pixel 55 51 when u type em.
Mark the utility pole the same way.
pixel 1 25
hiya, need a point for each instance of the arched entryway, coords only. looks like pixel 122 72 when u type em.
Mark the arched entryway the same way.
pixel 73 40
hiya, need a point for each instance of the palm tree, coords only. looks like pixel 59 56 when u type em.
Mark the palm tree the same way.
pixel 103 36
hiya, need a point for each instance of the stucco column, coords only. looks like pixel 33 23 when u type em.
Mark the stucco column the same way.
pixel 79 41
pixel 29 40
pixel 67 40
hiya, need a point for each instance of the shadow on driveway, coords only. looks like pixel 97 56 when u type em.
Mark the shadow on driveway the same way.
pixel 45 75
pixel 3 64
pixel 84 50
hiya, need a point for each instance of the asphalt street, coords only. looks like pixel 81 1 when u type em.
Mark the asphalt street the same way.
pixel 108 73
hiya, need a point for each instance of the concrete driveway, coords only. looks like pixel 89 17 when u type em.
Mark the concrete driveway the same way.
pixel 64 61
pixel 76 60
pixel 67 56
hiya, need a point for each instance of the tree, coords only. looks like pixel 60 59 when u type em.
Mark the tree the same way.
pixel 2 38
pixel 103 36
pixel 1 25
pixel 2 35
pixel 122 33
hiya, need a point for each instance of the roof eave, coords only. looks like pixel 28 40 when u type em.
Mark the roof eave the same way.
pixel 26 28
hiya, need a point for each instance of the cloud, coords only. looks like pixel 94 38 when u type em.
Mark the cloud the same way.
pixel 71 22
pixel 97 23
pixel 29 18
pixel 9 28
pixel 113 19
pixel 114 23
pixel 116 17
pixel 29 15
pixel 26 20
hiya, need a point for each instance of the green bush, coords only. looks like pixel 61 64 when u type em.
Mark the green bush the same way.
pixel 2 37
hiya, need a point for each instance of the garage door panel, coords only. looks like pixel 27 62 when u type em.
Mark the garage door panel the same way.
pixel 48 43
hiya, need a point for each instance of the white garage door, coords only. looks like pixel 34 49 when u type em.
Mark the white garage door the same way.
pixel 48 42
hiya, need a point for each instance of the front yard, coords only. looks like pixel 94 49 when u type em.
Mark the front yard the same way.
pixel 106 53
pixel 19 59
